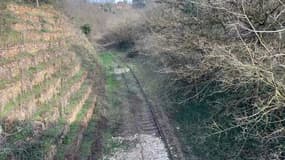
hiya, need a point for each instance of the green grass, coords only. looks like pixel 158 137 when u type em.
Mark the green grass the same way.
pixel 36 91
pixel 49 136
pixel 76 98
pixel 74 128
pixel 88 139
pixel 112 144
pixel 112 83
pixel 88 57
pixel 7 18
pixel 26 150
pixel 5 82
pixel 5 60
pixel 107 59
pixel 35 149
pixel 14 38
pixel 22 130
pixel 33 70
pixel 73 80
pixel 54 102
pixel 44 30
pixel 7 35
pixel 30 72
pixel 43 19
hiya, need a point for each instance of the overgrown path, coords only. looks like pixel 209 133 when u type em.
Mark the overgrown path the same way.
pixel 136 132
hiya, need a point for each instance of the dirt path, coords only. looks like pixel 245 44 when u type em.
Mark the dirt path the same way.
pixel 138 130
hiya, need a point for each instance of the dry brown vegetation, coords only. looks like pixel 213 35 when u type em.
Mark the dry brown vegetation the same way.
pixel 47 92
pixel 103 18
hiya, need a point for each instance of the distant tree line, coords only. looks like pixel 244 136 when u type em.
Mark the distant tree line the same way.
pixel 37 2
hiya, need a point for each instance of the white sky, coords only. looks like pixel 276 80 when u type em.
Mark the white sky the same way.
pixel 116 1
pixel 129 1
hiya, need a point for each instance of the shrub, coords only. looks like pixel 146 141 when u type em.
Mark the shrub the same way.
pixel 86 29
pixel 124 32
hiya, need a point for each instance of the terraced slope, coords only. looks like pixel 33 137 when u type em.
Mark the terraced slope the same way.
pixel 46 87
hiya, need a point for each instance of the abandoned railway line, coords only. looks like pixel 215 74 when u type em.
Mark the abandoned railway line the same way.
pixel 146 116
pixel 147 119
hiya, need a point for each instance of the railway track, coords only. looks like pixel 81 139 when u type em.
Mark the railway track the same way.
pixel 147 120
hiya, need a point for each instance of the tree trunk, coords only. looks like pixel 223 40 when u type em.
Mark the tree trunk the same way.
pixel 38 4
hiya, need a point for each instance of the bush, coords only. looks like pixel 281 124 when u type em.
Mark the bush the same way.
pixel 124 32
pixel 86 29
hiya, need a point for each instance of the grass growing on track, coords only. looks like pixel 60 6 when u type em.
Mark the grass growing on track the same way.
pixel 114 92
pixel 107 60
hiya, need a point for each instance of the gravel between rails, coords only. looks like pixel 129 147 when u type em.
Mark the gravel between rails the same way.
pixel 147 147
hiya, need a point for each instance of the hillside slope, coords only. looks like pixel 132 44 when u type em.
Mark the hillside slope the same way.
pixel 46 87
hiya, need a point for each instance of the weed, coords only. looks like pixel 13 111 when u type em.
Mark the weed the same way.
pixel 44 30
pixel 85 147
pixel 43 20
pixel 35 91
pixel 55 101
pixel 87 57
pixel 74 128
pixel 7 82
pixel 86 29
pixel 7 35
pixel 75 99
pixel 111 144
